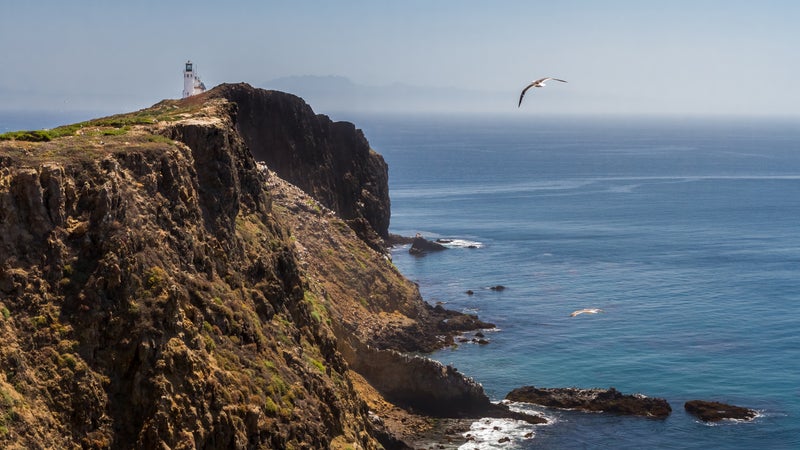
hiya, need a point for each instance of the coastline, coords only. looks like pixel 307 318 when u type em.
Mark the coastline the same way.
pixel 417 431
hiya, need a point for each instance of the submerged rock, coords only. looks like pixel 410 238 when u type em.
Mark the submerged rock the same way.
pixel 716 411
pixel 594 400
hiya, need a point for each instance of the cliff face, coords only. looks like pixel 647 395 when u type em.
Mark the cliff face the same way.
pixel 331 161
pixel 149 299
pixel 159 288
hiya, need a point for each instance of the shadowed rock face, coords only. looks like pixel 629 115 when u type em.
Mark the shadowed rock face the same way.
pixel 427 386
pixel 594 400
pixel 331 161
pixel 716 411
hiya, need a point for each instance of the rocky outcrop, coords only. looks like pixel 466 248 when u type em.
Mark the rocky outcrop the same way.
pixel 331 161
pixel 420 246
pixel 427 386
pixel 150 300
pixel 385 309
pixel 419 383
pixel 715 411
pixel 594 400
pixel 159 290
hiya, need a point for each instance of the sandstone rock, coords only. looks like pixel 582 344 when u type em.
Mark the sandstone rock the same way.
pixel 593 400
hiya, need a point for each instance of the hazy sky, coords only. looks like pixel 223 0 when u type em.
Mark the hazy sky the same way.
pixel 620 57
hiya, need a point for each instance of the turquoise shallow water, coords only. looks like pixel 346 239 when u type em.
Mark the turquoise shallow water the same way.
pixel 684 233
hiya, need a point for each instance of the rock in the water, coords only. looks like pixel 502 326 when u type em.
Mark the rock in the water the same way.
pixel 715 411
pixel 594 400
pixel 453 321
pixel 421 246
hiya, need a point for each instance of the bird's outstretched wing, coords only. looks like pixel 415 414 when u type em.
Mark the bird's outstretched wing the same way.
pixel 524 91
pixel 538 83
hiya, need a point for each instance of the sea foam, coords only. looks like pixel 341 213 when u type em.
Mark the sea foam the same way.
pixel 490 433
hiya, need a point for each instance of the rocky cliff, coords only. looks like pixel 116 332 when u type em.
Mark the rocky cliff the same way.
pixel 159 288
pixel 331 161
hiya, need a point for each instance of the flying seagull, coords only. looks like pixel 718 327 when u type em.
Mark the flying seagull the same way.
pixel 538 83
pixel 586 311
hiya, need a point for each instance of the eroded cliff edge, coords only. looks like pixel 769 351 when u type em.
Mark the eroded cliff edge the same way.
pixel 159 288
pixel 331 161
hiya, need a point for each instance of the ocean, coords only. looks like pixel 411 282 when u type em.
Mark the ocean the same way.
pixel 684 232
pixel 37 120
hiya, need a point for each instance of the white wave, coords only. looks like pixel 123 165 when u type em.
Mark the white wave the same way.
pixel 497 434
pixel 459 243
pixel 623 189
pixel 760 414
pixel 552 416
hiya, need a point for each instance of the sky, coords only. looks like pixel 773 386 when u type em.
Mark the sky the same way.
pixel 620 57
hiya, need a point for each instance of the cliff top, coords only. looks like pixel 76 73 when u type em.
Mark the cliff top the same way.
pixel 331 161
pixel 96 138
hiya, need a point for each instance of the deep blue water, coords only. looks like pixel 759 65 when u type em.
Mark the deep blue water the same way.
pixel 684 232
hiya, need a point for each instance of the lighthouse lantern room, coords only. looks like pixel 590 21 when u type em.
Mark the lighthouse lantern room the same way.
pixel 191 81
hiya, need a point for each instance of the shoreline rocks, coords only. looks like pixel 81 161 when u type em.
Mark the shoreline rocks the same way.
pixel 420 246
pixel 593 400
pixel 715 411
pixel 425 386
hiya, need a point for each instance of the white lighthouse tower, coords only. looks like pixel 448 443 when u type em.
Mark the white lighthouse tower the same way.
pixel 191 81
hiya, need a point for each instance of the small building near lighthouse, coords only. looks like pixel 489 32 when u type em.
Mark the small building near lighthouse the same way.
pixel 191 81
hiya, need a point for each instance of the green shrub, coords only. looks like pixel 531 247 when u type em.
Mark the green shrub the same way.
pixel 116 131
pixel 69 361
pixel 278 386
pixel 159 139
pixel 39 322
pixel 270 408
pixel 156 277
pixel 31 136
pixel 317 364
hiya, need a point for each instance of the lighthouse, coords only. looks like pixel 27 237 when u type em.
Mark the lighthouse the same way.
pixel 191 81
